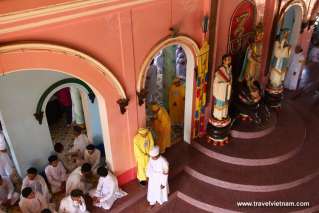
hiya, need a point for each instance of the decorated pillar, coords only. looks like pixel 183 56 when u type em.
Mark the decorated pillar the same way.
pixel 201 90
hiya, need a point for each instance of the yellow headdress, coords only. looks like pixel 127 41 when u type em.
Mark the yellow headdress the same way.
pixel 142 131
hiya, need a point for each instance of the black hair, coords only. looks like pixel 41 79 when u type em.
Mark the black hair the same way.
pixel 226 56
pixel 76 193
pixel 52 158
pixel 90 147
pixel 86 167
pixel 46 211
pixel 58 147
pixel 102 171
pixel 32 171
pixel 26 192
pixel 77 129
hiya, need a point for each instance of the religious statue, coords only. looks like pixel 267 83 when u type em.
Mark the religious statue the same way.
pixel 249 102
pixel 250 73
pixel 222 86
pixel 282 51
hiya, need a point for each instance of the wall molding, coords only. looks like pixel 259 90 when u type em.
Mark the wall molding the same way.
pixel 58 10
pixel 46 47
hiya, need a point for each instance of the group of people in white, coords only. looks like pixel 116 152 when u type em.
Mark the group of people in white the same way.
pixel 76 172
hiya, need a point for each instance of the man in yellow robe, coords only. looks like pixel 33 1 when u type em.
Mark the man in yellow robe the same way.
pixel 143 143
pixel 177 102
pixel 162 127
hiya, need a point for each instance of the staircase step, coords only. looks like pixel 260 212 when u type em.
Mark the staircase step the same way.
pixel 206 196
pixel 285 140
pixel 290 173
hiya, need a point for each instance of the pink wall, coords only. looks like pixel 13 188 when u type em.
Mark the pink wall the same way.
pixel 121 39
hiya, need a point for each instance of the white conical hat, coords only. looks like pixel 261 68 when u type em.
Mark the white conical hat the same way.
pixel 154 152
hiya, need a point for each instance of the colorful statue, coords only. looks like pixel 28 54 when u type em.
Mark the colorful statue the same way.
pixel 274 89
pixel 222 85
pixel 282 51
pixel 162 126
pixel 176 102
pixel 251 69
pixel 222 89
pixel 143 144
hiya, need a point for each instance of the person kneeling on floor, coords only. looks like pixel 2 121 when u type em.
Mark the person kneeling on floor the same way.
pixel 107 191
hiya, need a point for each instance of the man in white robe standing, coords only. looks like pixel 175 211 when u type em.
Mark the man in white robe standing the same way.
pixel 157 173
pixel 56 174
pixel 8 197
pixel 295 68
pixel 107 191
pixel 32 202
pixel 93 157
pixel 6 165
pixel 78 179
pixel 36 183
pixel 74 203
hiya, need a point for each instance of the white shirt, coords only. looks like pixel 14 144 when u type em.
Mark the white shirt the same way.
pixel 107 191
pixel 155 172
pixel 294 71
pixel 79 145
pixel 69 206
pixel 38 185
pixel 6 165
pixel 6 189
pixel 93 159
pixel 56 175
pixel 75 181
pixel 35 205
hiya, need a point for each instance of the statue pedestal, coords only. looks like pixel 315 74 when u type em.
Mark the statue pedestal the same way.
pixel 274 96
pixel 218 131
pixel 246 129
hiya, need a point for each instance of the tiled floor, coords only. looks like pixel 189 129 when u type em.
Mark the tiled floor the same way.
pixel 61 133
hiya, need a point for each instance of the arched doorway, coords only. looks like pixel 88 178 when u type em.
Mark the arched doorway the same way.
pixel 67 103
pixel 39 56
pixel 191 51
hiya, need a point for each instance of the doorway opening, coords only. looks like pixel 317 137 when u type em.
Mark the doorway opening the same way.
pixel 166 86
pixel 69 106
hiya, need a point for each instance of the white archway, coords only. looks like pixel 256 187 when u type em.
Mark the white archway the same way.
pixel 192 51
pixel 98 97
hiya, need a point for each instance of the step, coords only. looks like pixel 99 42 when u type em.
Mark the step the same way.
pixel 284 142
pixel 208 197
pixel 250 130
pixel 285 175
